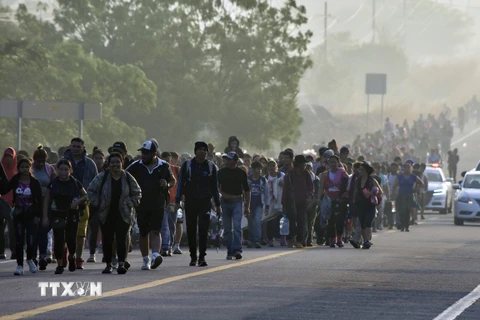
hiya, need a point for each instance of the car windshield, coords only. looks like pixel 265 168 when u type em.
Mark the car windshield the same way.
pixel 472 182
pixel 434 176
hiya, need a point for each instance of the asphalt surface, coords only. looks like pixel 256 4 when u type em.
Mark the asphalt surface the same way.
pixel 414 275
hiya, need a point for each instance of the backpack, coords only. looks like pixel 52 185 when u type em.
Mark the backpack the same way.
pixel 189 169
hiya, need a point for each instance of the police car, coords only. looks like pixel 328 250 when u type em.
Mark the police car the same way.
pixel 439 196
pixel 467 200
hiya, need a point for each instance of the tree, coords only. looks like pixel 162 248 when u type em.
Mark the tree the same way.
pixel 47 68
pixel 233 66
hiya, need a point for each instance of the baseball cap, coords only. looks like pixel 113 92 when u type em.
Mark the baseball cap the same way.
pixel 149 146
pixel 231 155
pixel 328 153
pixel 119 145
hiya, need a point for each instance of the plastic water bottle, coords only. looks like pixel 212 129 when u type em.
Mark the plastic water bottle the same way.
pixel 284 226
pixel 180 213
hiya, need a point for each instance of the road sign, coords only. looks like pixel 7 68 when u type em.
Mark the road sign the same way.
pixel 49 111
pixel 376 83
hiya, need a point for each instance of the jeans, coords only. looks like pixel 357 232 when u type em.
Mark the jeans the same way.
pixel 232 224
pixel 119 230
pixel 254 224
pixel 93 226
pixel 311 217
pixel 403 205
pixel 169 227
pixel 273 227
pixel 68 235
pixel 198 211
pixel 298 223
pixel 11 235
pixel 336 223
pixel 25 228
pixel 42 240
pixel 357 234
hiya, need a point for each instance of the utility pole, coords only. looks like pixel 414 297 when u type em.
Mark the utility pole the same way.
pixel 405 15
pixel 373 21
pixel 326 32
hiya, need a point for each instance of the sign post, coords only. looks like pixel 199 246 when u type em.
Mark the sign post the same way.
pixel 375 83
pixel 49 111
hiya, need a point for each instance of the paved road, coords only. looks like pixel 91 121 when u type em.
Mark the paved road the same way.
pixel 414 275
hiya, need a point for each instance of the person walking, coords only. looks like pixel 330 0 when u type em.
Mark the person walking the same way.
pixel 155 178
pixel 116 193
pixel 197 185
pixel 235 191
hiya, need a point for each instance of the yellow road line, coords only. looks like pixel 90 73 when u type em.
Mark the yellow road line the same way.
pixel 77 301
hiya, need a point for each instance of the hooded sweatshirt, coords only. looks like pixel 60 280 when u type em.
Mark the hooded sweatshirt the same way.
pixel 10 171
pixel 239 151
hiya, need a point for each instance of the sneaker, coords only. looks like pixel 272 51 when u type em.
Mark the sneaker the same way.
pixel 32 266
pixel 177 251
pixel 156 261
pixel 202 263
pixel 53 260
pixel 91 259
pixel 107 270
pixel 229 258
pixel 49 260
pixel 146 263
pixel 366 245
pixel 407 230
pixel 163 253
pixel 380 227
pixel 355 244
pixel 290 244
pixel 121 270
pixel 264 243
pixel 340 244
pixel 59 270
pixel 402 230
pixel 3 256
pixel 79 263
pixel 237 255
pixel 270 244
pixel 19 271
pixel 72 265
pixel 126 264
pixel 332 244
pixel 114 263
pixel 193 262
pixel 258 245
pixel 42 264
pixel 298 245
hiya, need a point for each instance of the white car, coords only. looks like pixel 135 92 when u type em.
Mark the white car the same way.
pixel 467 199
pixel 439 196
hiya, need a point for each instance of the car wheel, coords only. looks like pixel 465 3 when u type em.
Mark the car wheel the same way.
pixel 457 222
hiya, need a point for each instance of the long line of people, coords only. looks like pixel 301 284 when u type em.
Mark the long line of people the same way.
pixel 333 200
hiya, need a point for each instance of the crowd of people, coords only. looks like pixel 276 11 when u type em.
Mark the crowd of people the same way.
pixel 54 204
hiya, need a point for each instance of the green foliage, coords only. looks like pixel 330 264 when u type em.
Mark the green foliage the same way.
pixel 38 65
pixel 233 66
